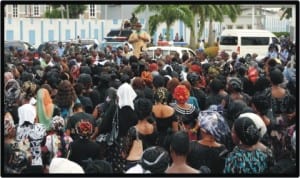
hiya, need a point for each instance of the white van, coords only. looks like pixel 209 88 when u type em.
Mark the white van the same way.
pixel 245 41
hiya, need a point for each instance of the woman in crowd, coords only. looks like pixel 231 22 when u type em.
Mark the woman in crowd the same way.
pixel 45 108
pixel 283 108
pixel 126 118
pixel 31 136
pixel 164 115
pixel 65 98
pixel 245 157
pixel 179 150
pixel 144 130
pixel 57 143
pixel 186 113
pixel 210 151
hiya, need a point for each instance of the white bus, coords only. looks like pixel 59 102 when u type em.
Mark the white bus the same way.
pixel 247 41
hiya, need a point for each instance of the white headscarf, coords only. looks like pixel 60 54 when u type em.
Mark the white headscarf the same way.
pixel 261 126
pixel 126 95
pixel 64 166
pixel 26 112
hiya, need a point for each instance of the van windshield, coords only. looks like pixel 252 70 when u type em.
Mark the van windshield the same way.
pixel 254 41
pixel 228 40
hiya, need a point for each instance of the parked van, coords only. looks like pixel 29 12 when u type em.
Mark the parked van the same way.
pixel 247 41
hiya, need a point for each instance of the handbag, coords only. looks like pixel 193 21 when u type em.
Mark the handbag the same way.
pixel 181 124
pixel 136 150
pixel 110 138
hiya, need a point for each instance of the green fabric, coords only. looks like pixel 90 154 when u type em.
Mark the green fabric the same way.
pixel 43 118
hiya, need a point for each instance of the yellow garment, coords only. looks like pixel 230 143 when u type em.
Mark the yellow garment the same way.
pixel 138 43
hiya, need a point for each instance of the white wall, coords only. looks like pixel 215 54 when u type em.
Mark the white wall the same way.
pixel 13 30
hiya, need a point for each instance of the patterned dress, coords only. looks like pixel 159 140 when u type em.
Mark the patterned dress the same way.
pixel 241 161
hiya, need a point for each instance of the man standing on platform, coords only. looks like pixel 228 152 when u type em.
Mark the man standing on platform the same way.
pixel 139 40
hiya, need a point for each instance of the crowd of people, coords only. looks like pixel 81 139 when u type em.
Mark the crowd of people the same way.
pixel 122 112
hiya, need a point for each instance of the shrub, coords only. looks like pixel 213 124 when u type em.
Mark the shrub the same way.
pixel 212 51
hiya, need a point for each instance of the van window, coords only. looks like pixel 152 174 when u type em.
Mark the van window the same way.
pixel 228 40
pixel 253 41
pixel 275 40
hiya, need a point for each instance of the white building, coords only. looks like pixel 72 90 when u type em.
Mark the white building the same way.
pixel 97 21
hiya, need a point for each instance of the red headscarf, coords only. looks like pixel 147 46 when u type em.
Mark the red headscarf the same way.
pixel 181 94
pixel 252 74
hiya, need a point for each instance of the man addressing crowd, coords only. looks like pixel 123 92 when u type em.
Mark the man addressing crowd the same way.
pixel 139 40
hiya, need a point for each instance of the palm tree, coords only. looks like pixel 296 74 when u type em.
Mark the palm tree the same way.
pixel 214 13
pixel 287 13
pixel 167 14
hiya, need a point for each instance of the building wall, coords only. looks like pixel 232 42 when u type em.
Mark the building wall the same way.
pixel 39 30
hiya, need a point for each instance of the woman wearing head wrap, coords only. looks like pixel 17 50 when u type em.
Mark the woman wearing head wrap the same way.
pixel 261 126
pixel 186 113
pixel 245 158
pixel 12 92
pixel 30 135
pixel 83 148
pixel 57 143
pixel 211 150
pixel 164 116
pixel 45 108
pixel 123 109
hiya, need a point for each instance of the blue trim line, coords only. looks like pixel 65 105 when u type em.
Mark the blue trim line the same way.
pixel 59 30
pixel 102 29
pixel 42 31
pixel 21 29
pixel 90 30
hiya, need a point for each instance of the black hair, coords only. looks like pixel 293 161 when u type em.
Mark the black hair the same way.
pixel 158 81
pixel 143 108
pixel 246 131
pixel 216 85
pixel 180 143
pixel 276 76
pixel 155 159
pixel 193 78
pixel 235 108
pixel 261 102
pixel 97 167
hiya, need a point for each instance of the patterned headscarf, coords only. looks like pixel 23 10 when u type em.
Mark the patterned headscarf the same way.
pixel 257 121
pixel 12 90
pixel 57 123
pixel 45 107
pixel 181 94
pixel 9 124
pixel 213 123
pixel 161 95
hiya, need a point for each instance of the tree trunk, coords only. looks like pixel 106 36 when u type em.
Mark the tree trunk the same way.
pixel 68 15
pixel 168 32
pixel 192 36
pixel 211 36
pixel 192 41
pixel 62 11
